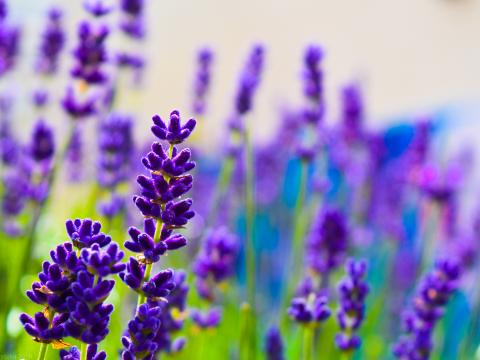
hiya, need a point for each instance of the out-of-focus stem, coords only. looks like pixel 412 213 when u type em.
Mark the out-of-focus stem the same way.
pixel 250 239
pixel 299 218
pixel 43 351
pixel 307 352
pixel 223 182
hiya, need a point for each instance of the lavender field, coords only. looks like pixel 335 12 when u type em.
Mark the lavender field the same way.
pixel 235 220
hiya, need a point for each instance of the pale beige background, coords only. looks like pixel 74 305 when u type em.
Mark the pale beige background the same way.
pixel 411 56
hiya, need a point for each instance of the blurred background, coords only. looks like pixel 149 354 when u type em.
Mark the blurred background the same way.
pixel 411 57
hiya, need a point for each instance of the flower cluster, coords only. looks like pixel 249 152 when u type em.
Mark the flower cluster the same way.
pixel 215 262
pixel 74 353
pixel 432 295
pixel 9 41
pixel 162 204
pixel 327 242
pixel 202 80
pixel 249 80
pixel 73 288
pixel 310 310
pixel 52 44
pixel 116 145
pixel 313 83
pixel 352 293
pixel 206 319
pixel 132 22
pixel 90 53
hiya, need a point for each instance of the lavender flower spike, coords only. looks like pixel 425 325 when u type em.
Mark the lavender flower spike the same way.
pixel 208 319
pixel 202 81
pixel 74 353
pixel 352 293
pixel 427 308
pixel 165 209
pixel 310 310
pixel 53 42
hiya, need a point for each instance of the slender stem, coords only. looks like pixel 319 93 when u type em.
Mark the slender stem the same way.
pixel 250 262
pixel 148 268
pixel 43 351
pixel 308 343
pixel 299 219
pixel 245 316
pixel 223 181
pixel 346 355
pixel 83 351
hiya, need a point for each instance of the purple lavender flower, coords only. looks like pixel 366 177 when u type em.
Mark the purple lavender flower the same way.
pixel 312 309
pixel 352 112
pixel 90 54
pixel 432 295
pixel 165 210
pixel 74 353
pixel 313 83
pixel 327 242
pixel 175 132
pixel 85 233
pixel 73 288
pixel 132 23
pixel 52 44
pixel 40 98
pixel 42 146
pixel 97 8
pixel 78 108
pixel 140 342
pixel 249 80
pixel 274 349
pixel 116 145
pixel 352 293
pixel 41 328
pixel 202 81
pixel 215 262
pixel 74 155
pixel 207 319
pixel 9 42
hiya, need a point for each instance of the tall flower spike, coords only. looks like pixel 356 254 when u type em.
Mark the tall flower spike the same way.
pixel 52 44
pixel 9 43
pixel 202 81
pixel 249 80
pixel 313 83
pixel 90 54
pixel 327 242
pixel 432 295
pixel 352 293
pixel 165 209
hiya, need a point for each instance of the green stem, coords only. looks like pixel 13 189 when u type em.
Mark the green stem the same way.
pixel 299 219
pixel 346 355
pixel 250 264
pixel 43 351
pixel 223 181
pixel 83 351
pixel 308 343
pixel 148 268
